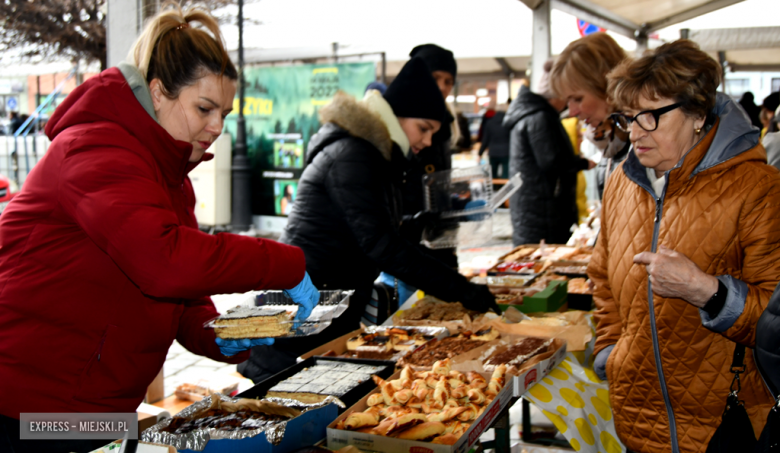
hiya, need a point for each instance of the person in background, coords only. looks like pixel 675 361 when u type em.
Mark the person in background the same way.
pixel 490 112
pixel 572 127
pixel 347 213
pixel 287 201
pixel 768 107
pixel 464 142
pixel 688 254
pixel 379 86
pixel 436 157
pixel 496 142
pixel 102 263
pixel 15 123
pixel 771 142
pixel 544 208
pixel 747 102
pixel 579 76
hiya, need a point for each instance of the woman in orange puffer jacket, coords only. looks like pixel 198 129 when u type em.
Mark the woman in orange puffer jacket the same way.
pixel 688 255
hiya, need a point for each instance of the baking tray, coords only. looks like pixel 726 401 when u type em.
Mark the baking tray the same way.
pixel 350 398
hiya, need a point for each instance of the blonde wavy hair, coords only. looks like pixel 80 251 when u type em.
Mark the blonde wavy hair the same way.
pixel 584 65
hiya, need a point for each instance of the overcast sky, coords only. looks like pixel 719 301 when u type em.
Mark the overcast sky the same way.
pixel 470 28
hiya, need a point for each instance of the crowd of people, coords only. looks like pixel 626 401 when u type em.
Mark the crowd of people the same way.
pixel 102 265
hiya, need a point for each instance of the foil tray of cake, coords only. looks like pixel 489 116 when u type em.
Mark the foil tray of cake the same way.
pixel 228 418
pixel 271 314
pixel 391 343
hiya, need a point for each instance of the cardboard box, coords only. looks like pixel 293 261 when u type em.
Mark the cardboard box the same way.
pixel 339 345
pixel 304 430
pixel 341 438
pixel 533 371
pixel 577 335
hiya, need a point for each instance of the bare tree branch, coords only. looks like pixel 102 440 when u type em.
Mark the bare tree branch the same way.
pixel 73 29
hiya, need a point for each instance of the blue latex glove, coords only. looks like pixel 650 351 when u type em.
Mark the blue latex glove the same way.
pixel 305 295
pixel 233 347
pixel 476 204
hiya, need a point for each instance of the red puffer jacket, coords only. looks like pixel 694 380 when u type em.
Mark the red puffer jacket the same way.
pixel 102 265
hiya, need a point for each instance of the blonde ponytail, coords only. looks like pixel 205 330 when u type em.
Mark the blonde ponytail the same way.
pixel 173 50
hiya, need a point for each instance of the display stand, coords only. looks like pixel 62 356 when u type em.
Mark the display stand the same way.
pixel 501 442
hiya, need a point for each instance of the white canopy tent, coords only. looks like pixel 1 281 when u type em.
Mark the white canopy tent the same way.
pixel 479 31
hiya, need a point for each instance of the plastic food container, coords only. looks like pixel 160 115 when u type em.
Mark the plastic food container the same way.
pixel 332 304
pixel 465 200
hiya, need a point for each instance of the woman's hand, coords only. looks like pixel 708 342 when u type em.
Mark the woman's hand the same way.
pixel 672 274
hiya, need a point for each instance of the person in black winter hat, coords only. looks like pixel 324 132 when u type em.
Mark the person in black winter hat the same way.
pixel 347 211
pixel 436 157
pixel 442 64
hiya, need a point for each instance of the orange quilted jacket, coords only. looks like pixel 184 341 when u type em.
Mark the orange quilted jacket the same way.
pixel 720 208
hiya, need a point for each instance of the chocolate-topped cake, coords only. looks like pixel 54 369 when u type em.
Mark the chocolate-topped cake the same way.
pixel 518 353
pixel 433 351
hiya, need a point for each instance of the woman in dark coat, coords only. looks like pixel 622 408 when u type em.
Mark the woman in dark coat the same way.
pixel 545 207
pixel 347 211
pixel 767 353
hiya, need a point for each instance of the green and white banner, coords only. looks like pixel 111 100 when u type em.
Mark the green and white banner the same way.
pixel 281 113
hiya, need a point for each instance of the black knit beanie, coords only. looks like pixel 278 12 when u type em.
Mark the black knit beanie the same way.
pixel 772 101
pixel 414 93
pixel 437 58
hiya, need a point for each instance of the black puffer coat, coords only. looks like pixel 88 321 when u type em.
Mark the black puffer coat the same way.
pixel 767 351
pixel 345 219
pixel 348 208
pixel 545 206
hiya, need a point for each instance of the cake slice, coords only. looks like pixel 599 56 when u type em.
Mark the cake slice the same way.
pixel 378 347
pixel 253 322
pixel 515 355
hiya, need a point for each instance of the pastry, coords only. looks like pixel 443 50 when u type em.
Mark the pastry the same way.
pixel 253 322
pixel 434 413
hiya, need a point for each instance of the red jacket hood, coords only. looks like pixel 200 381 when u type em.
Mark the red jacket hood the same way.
pixel 108 97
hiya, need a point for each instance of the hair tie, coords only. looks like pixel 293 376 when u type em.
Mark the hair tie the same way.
pixel 182 26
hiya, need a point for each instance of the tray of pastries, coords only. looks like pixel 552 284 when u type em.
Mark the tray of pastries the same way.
pixel 391 343
pixel 438 405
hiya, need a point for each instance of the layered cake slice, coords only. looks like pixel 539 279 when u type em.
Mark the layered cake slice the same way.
pixel 253 322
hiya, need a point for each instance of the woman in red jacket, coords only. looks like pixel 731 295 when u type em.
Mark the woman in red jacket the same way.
pixel 102 265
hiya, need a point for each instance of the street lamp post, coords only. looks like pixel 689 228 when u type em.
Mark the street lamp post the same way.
pixel 241 217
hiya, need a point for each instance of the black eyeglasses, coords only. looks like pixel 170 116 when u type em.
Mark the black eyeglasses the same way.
pixel 647 120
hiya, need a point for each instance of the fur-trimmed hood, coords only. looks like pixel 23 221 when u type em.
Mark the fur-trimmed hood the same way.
pixel 371 119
